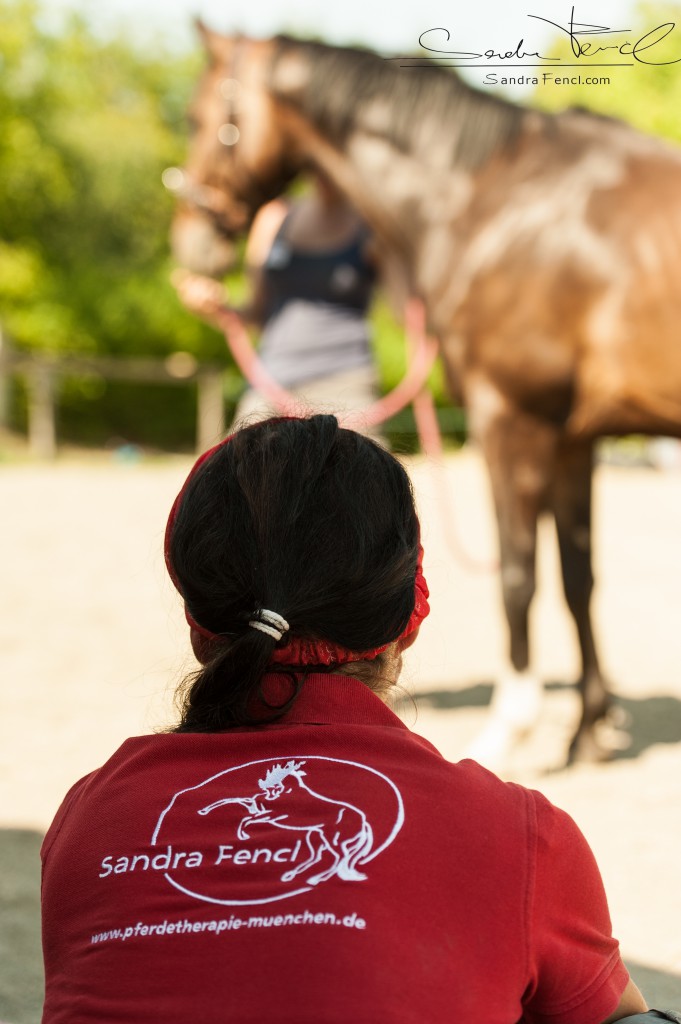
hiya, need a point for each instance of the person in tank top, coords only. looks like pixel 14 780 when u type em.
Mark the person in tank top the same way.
pixel 312 273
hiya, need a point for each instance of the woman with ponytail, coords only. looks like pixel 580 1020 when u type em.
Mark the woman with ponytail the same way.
pixel 270 520
pixel 291 853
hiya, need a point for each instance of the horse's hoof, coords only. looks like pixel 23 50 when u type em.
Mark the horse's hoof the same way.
pixel 586 749
pixel 617 717
pixel 602 740
pixel 493 744
pixel 517 701
pixel 513 714
pixel 316 879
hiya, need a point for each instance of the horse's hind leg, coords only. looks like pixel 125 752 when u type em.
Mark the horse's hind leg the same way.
pixel 519 450
pixel 571 503
pixel 314 858
pixel 324 876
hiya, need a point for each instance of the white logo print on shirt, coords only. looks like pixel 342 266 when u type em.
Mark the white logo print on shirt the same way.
pixel 272 829
pixel 331 826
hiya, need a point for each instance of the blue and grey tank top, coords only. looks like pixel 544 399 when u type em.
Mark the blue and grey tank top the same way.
pixel 317 305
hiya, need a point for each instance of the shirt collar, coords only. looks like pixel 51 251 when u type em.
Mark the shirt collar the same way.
pixel 326 699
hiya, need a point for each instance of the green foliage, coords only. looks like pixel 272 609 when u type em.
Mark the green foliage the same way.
pixel 647 96
pixel 86 128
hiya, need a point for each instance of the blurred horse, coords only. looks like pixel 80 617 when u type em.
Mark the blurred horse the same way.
pixel 547 249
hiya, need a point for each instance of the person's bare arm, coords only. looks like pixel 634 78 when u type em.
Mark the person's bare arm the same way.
pixel 264 230
pixel 631 1002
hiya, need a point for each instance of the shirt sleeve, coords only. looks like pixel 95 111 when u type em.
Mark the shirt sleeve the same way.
pixel 576 973
pixel 61 815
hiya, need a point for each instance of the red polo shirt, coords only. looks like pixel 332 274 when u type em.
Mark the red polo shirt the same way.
pixel 330 868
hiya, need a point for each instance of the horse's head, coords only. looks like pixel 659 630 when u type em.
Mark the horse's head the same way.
pixel 240 152
pixel 273 783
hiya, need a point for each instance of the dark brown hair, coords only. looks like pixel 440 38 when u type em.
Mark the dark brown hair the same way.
pixel 306 519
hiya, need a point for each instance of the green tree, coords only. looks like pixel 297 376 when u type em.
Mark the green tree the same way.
pixel 86 128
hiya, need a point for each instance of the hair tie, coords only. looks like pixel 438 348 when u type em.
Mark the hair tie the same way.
pixel 272 623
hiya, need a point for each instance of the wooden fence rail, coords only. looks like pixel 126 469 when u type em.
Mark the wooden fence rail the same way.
pixel 42 374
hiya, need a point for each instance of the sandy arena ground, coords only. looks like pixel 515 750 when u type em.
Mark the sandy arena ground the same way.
pixel 92 643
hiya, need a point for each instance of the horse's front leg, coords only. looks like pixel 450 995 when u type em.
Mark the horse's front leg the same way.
pixel 259 818
pixel 242 830
pixel 520 451
pixel 571 503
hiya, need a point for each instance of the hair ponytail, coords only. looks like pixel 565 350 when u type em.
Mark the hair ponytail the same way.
pixel 301 517
pixel 221 693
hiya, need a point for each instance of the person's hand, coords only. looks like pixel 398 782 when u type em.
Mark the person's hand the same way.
pixel 202 296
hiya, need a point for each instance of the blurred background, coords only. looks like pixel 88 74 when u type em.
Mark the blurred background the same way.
pixel 92 109
pixel 101 376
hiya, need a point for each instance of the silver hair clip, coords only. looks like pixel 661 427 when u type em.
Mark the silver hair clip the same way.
pixel 272 623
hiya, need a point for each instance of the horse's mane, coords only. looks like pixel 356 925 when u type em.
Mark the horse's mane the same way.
pixel 277 774
pixel 344 81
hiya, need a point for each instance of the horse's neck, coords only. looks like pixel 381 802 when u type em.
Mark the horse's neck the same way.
pixel 297 779
pixel 408 190
pixel 406 202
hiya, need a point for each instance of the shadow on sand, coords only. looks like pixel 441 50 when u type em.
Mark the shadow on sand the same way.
pixel 650 720
pixel 21 962
pixel 661 988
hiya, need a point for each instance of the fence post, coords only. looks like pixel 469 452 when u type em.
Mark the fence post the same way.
pixel 4 378
pixel 210 420
pixel 42 433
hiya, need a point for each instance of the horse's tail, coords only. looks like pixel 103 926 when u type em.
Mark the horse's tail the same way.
pixel 355 850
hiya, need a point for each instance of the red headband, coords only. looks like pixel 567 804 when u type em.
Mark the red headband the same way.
pixel 298 650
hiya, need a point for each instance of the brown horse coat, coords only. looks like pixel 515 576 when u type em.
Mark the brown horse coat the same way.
pixel 546 248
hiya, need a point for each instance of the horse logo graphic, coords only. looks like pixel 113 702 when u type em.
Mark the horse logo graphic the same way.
pixel 287 802
pixel 274 828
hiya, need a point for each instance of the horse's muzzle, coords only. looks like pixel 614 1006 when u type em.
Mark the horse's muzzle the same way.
pixel 198 246
pixel 230 215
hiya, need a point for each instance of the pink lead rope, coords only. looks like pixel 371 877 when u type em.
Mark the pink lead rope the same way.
pixel 423 351
pixel 421 363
